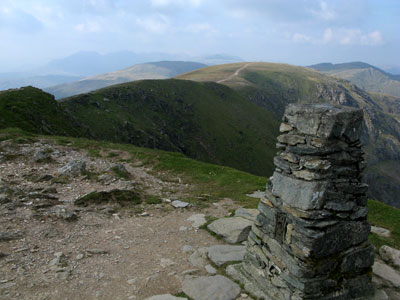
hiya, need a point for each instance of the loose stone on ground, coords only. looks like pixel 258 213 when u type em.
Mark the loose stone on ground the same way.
pixel 197 220
pixel 215 287
pixel 380 231
pixel 221 254
pixel 179 204
pixel 233 230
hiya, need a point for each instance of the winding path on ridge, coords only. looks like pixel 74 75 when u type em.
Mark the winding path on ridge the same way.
pixel 234 74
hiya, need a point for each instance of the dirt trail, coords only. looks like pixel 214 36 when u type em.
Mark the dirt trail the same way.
pixel 234 74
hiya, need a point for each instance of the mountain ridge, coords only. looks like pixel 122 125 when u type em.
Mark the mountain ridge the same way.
pixel 151 70
pixel 366 76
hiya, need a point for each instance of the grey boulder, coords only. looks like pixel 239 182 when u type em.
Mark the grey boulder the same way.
pixel 233 230
pixel 215 287
pixel 221 254
pixel 74 167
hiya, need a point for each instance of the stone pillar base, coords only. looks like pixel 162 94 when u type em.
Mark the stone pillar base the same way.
pixel 265 292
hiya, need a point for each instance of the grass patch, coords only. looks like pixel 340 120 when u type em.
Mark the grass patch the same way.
pixel 62 179
pixel 94 153
pixel 120 172
pixel 182 295
pixel 214 181
pixel 151 199
pixel 112 154
pixel 383 215
pixel 121 197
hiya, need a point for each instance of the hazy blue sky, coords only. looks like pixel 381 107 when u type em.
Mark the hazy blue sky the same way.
pixel 293 31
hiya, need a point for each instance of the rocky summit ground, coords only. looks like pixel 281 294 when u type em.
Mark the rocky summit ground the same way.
pixel 81 225
pixel 53 249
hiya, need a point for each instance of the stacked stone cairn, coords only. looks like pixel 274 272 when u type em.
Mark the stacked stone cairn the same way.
pixel 310 239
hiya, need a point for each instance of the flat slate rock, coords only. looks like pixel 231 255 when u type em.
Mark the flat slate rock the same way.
pixel 165 297
pixel 390 256
pixel 221 254
pixel 197 220
pixel 247 213
pixel 388 274
pixel 199 257
pixel 256 194
pixel 179 204
pixel 215 287
pixel 233 230
pixel 380 231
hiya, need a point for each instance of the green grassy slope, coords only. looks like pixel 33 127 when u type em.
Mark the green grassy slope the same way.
pixel 33 110
pixel 273 86
pixel 205 121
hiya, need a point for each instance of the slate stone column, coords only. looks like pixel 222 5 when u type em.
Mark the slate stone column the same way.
pixel 310 240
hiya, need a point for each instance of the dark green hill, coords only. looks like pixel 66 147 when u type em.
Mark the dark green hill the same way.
pixel 205 121
pixel 33 110
pixel 273 86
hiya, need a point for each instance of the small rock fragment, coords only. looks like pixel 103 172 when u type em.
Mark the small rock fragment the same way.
pixel 10 235
pixel 74 167
pixel 66 214
pixel 166 262
pixel 179 204
pixel 187 248
pixel 390 256
pixel 199 257
pixel 210 269
pixel 97 251
pixel 380 231
pixel 197 220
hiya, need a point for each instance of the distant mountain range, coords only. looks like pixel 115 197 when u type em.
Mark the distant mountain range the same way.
pixel 155 70
pixel 89 63
pixel 366 76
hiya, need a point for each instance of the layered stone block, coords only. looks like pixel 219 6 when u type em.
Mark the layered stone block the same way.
pixel 310 239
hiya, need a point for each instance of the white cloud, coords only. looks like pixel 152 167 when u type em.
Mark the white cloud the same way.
pixel 342 36
pixel 324 12
pixel 88 27
pixel 164 3
pixel 349 36
pixel 301 38
pixel 157 24
pixel 372 38
pixel 357 37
